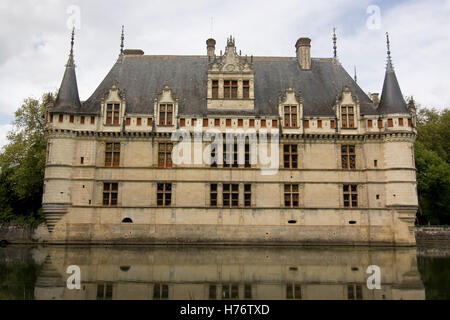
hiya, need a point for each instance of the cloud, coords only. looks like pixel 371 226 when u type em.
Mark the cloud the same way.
pixel 4 129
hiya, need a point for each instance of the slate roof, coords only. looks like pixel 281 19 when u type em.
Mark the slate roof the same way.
pixel 142 78
pixel 391 100
pixel 68 99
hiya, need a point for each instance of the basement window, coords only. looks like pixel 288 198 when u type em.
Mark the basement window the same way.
pixel 127 220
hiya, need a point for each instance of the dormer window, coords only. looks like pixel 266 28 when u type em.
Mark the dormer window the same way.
pixel 246 89
pixel 215 89
pixel 112 113
pixel 165 114
pixel 290 116
pixel 348 116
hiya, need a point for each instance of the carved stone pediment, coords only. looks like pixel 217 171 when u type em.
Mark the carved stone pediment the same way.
pixel 114 94
pixel 231 61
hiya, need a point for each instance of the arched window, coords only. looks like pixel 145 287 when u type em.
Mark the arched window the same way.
pixel 127 220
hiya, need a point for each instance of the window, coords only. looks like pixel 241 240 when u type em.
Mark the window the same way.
pixel 82 120
pixel 104 291
pixel 354 292
pixel 400 122
pixel 348 157
pixel 274 123
pixel 212 292
pixel 112 154
pixel 139 121
pixel 332 124
pixel 350 195
pixel 293 291
pixel 390 123
pixel 215 89
pixel 182 122
pixel 247 195
pixel 149 122
pixel 251 122
pixel 290 156
pixel 205 122
pixel 263 123
pixel 247 163
pixel 228 122
pixel 247 291
pixel 291 195
pixel 230 291
pixel 217 122
pixel 230 157
pixel 369 123
pixel 213 155
pixel 290 116
pixel 193 122
pixel 319 123
pixel 375 163
pixel 230 195
pixel 306 123
pixel 92 120
pixel 72 119
pixel 160 291
pixel 165 114
pixel 51 118
pixel 112 113
pixel 165 155
pixel 164 194
pixel 409 123
pixel 213 195
pixel 230 88
pixel 82 160
pixel 61 117
pixel 380 123
pixel 110 192
pixel 128 121
pixel 240 123
pixel 348 117
pixel 246 89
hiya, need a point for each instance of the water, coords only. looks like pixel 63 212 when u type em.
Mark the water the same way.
pixel 227 272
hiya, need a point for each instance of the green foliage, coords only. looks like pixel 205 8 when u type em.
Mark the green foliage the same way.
pixel 22 164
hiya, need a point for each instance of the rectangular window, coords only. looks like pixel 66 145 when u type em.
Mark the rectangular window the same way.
pixel 247 163
pixel 215 89
pixel 230 195
pixel 240 123
pixel 390 123
pixel 82 160
pixel 291 196
pixel 354 292
pixel 165 155
pixel 112 154
pixel 350 195
pixel 72 119
pixel 348 117
pixel 110 192
pixel 61 117
pixel 193 122
pixel 230 157
pixel 290 116
pixel 92 120
pixel 104 291
pixel 274 123
pixel 139 121
pixel 251 122
pixel 230 88
pixel 217 122
pixel 213 195
pixel 248 291
pixel 205 122
pixel 293 291
pixel 306 123
pixel 400 122
pixel 380 123
pixel 182 122
pixel 164 194
pixel 290 156
pixel 247 195
pixel 230 291
pixel 160 291
pixel 228 122
pixel 128 121
pixel 409 123
pixel 212 292
pixel 319 123
pixel 263 123
pixel 332 124
pixel 369 123
pixel 82 120
pixel 165 114
pixel 149 122
pixel 112 113
pixel 213 155
pixel 246 89
pixel 348 157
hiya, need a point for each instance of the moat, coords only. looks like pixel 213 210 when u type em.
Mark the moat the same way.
pixel 225 272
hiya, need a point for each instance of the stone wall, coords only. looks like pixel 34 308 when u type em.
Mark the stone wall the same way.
pixel 15 233
pixel 433 233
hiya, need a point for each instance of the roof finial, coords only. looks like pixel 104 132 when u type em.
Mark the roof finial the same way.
pixel 334 43
pixel 70 62
pixel 388 45
pixel 356 79
pixel 122 37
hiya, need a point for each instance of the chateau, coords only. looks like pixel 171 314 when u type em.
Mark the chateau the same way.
pixel 228 148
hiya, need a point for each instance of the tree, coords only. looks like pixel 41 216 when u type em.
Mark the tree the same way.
pixel 22 162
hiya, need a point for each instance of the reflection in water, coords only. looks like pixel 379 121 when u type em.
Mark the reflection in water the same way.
pixel 264 273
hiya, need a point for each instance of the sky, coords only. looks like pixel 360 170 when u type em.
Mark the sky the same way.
pixel 35 39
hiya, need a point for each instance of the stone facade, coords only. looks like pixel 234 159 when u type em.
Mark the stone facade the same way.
pixel 349 170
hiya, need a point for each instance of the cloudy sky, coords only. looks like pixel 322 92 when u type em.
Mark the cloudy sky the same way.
pixel 34 39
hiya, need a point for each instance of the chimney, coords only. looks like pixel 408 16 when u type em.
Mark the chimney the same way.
pixel 303 46
pixel 210 47
pixel 133 52
pixel 375 98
